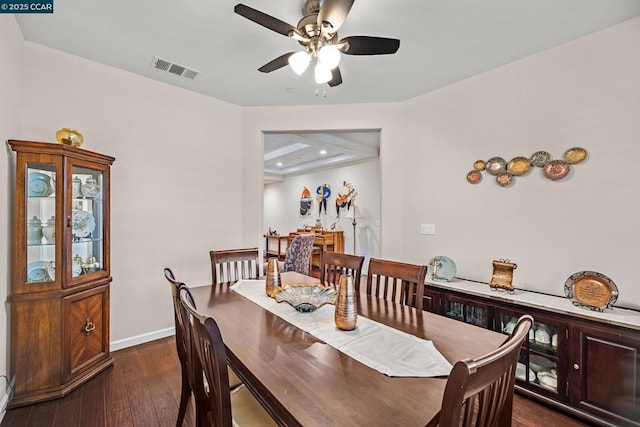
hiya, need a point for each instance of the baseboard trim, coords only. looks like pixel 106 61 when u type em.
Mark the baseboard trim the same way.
pixel 5 400
pixel 141 339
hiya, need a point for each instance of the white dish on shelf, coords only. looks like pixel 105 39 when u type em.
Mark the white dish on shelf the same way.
pixel 37 271
pixel 39 185
pixel 83 223
pixel 521 371
pixel 548 380
pixel 539 363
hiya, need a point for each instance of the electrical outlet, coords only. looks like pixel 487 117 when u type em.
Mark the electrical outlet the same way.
pixel 429 229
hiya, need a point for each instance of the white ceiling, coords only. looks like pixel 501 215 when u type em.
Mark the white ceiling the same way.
pixel 442 41
pixel 287 154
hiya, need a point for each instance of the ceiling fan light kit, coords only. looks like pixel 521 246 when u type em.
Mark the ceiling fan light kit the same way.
pixel 317 32
pixel 299 62
pixel 322 73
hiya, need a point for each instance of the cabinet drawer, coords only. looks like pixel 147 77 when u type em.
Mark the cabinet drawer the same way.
pixel 86 329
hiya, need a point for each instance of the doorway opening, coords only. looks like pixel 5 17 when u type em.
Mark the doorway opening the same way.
pixel 324 166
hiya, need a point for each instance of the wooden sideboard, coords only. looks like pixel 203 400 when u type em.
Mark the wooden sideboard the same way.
pixel 593 358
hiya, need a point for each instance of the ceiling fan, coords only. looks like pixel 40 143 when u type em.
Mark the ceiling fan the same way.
pixel 317 32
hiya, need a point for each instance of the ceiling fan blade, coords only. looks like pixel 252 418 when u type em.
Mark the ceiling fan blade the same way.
pixel 336 77
pixel 366 45
pixel 276 64
pixel 333 13
pixel 265 20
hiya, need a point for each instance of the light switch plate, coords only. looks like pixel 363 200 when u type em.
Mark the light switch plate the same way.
pixel 429 229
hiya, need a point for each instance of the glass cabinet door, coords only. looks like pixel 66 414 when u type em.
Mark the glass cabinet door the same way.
pixel 40 222
pixel 86 220
pixel 467 311
pixel 539 365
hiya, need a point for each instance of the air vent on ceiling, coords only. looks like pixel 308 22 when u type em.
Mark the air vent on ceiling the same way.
pixel 167 66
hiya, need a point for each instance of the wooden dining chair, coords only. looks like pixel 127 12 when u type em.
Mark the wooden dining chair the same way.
pixel 218 405
pixel 335 264
pixel 234 264
pixel 298 254
pixel 479 392
pixel 183 345
pixel 396 281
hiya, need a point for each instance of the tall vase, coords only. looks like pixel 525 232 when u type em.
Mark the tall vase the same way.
pixel 273 277
pixel 346 315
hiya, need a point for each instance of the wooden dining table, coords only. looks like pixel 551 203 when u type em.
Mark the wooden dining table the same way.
pixel 301 381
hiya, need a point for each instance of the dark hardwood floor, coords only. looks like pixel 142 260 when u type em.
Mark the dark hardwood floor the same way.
pixel 143 389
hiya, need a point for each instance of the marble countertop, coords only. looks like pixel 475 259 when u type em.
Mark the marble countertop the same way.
pixel 615 316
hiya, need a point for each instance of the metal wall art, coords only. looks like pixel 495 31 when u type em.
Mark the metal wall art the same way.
pixel 305 202
pixel 344 200
pixel 505 172
pixel 323 193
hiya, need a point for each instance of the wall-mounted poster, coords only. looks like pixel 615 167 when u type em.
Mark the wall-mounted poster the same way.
pixel 305 202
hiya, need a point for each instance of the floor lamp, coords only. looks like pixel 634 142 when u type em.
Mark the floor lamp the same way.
pixel 353 215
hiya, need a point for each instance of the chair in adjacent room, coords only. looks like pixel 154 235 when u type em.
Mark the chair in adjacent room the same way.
pixel 234 264
pixel 335 264
pixel 479 392
pixel 396 281
pixel 299 254
pixel 219 406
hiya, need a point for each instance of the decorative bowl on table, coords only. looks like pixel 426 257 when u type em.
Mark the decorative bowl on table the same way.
pixel 305 297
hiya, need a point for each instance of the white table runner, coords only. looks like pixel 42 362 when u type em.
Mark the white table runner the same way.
pixel 390 351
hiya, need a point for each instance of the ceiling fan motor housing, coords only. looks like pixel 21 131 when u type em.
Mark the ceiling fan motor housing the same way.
pixel 311 7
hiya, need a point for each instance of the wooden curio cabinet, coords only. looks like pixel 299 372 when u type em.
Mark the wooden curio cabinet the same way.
pixel 59 296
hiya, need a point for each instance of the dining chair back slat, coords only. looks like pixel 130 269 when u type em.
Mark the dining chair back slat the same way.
pixel 234 264
pixel 479 392
pixel 396 281
pixel 335 264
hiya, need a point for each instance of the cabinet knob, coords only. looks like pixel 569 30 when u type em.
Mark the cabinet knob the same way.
pixel 576 366
pixel 69 221
pixel 89 326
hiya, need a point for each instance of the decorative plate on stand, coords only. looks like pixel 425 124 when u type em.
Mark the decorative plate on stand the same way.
pixel 591 290
pixel 83 223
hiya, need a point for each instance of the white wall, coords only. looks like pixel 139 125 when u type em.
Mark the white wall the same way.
pixel 176 182
pixel 282 204
pixel 188 169
pixel 11 49
pixel 585 93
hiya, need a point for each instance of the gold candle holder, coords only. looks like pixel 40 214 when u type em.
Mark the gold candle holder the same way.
pixel 346 316
pixel 273 277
